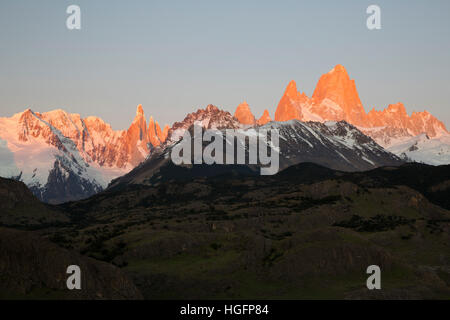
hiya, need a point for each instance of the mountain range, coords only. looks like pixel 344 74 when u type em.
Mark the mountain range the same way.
pixel 63 157
pixel 336 98
pixel 336 145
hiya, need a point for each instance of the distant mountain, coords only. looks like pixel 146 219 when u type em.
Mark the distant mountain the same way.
pixel 422 148
pixel 336 98
pixel 265 118
pixel 337 145
pixel 62 157
pixel 244 114
pixel 210 118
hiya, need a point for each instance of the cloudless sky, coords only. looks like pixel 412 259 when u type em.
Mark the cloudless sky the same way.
pixel 174 57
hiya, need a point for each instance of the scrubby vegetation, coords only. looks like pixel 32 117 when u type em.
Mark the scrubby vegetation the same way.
pixel 377 223
pixel 270 237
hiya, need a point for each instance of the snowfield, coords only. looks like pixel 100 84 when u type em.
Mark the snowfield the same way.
pixel 422 149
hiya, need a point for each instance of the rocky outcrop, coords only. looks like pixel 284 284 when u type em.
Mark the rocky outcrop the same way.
pixel 336 98
pixel 244 114
pixel 291 104
pixel 209 118
pixel 265 118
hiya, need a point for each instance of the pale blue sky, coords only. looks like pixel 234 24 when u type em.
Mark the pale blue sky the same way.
pixel 176 56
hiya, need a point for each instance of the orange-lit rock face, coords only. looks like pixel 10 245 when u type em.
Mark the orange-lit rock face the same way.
pixel 96 140
pixel 291 104
pixel 336 98
pixel 164 133
pixel 137 138
pixel 265 118
pixel 395 116
pixel 425 122
pixel 244 114
pixel 154 132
